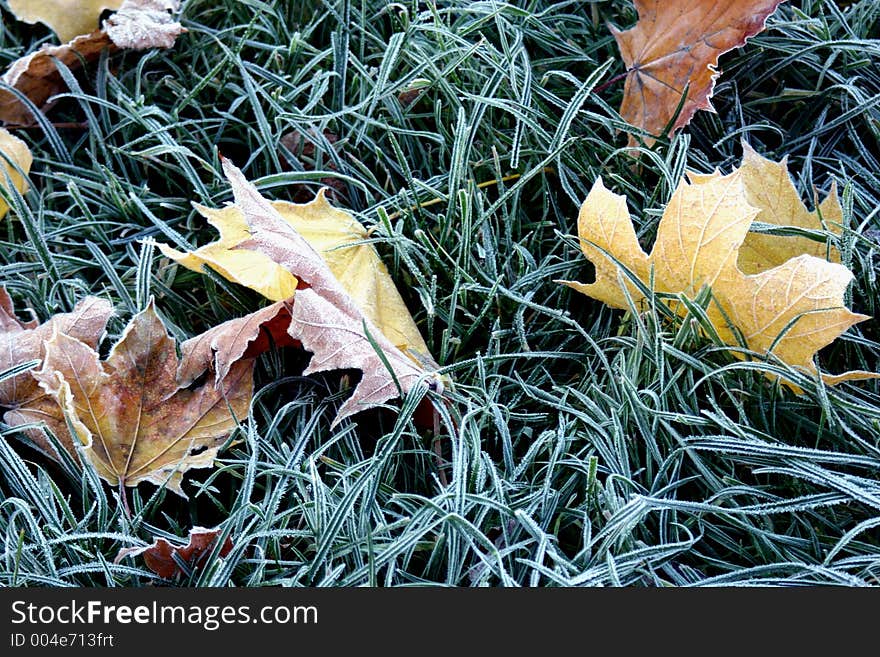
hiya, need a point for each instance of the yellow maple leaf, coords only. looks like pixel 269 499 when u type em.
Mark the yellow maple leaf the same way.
pixel 336 236
pixel 67 18
pixel 14 156
pixel 769 188
pixel 791 310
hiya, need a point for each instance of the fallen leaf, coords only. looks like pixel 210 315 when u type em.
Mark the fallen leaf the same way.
pixel 324 317
pixel 14 155
pixel 139 24
pixel 791 310
pixel 160 555
pixel 676 45
pixel 67 18
pixel 769 188
pixel 136 422
pixel 21 342
pixel 336 236
pixel 37 78
pixel 413 91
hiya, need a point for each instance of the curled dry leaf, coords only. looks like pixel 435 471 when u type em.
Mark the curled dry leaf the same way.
pixel 22 342
pixel 160 555
pixel 243 337
pixel 333 233
pixel 791 310
pixel 15 160
pixel 136 422
pixel 139 25
pixel 320 243
pixel 676 45
pixel 324 315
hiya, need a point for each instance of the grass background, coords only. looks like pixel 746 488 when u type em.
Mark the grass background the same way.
pixel 580 446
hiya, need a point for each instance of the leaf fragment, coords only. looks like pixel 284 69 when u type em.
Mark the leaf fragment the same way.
pixel 675 45
pixel 164 559
pixel 135 421
pixel 144 24
pixel 336 334
pixel 224 345
pixel 36 75
pixel 15 160
pixel 297 152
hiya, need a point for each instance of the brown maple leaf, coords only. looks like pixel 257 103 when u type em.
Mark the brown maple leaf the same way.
pixel 134 419
pixel 138 25
pixel 21 342
pixel 164 559
pixel 675 46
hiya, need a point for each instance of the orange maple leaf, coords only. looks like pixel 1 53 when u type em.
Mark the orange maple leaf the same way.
pixel 675 46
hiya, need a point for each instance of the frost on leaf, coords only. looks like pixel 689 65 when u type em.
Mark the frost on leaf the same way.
pixel 144 24
pixel 21 342
pixel 224 345
pixel 676 45
pixel 332 293
pixel 136 421
pixel 139 25
pixel 791 310
pixel 339 240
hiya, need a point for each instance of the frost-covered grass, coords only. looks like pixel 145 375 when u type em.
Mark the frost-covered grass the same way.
pixel 577 445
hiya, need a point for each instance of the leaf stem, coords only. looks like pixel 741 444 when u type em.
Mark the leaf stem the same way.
pixel 124 499
pixel 602 87
pixel 72 125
